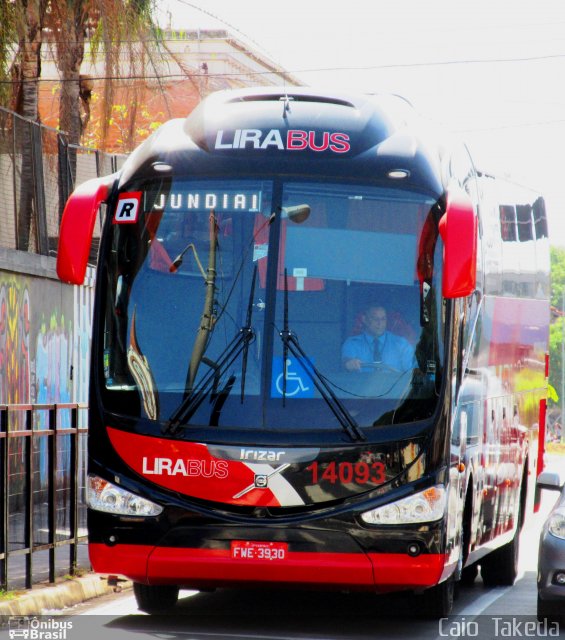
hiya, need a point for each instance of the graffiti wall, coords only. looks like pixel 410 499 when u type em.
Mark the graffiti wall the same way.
pixel 44 351
pixel 44 340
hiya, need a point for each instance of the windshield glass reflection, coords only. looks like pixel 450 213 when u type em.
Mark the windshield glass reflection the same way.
pixel 350 335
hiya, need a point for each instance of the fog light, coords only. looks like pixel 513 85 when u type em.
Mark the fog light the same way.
pixel 559 578
pixel 414 549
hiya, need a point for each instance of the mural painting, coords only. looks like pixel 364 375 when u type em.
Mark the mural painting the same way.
pixel 44 350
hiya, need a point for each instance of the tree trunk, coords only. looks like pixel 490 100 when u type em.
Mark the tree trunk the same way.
pixel 70 53
pixel 29 73
pixel 70 56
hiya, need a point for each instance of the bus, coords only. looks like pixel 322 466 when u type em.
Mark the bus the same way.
pixel 229 443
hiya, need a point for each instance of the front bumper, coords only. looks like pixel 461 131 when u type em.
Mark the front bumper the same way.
pixel 214 567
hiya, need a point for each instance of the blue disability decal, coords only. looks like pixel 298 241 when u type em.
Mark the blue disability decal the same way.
pixel 298 382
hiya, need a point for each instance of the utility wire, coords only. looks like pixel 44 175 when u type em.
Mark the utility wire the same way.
pixel 520 125
pixel 401 65
pixel 227 24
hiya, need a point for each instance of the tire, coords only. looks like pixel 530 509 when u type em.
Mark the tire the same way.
pixel 550 610
pixel 500 568
pixel 437 602
pixel 466 575
pixel 469 575
pixel 155 598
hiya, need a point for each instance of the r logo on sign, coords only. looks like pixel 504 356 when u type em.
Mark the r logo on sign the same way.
pixel 128 208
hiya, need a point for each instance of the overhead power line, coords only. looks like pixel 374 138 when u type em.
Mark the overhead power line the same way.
pixel 224 22
pixel 281 71
pixel 518 125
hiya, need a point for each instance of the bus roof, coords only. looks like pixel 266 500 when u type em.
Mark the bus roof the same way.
pixel 296 131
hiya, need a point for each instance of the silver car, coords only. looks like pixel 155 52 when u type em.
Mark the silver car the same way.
pixel 551 561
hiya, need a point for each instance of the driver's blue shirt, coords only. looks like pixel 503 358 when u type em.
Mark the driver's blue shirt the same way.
pixel 396 352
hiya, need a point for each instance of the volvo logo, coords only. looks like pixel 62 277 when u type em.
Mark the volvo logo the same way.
pixel 261 481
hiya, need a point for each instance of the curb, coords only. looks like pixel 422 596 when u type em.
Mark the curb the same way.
pixel 59 596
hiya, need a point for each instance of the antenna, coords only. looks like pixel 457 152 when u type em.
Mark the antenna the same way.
pixel 286 103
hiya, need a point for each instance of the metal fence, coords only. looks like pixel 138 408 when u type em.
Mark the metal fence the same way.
pixel 42 447
pixel 38 171
pixel 42 465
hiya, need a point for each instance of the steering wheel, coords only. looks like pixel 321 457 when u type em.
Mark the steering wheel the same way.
pixel 380 367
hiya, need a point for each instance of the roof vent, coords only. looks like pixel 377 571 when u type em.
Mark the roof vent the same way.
pixel 277 97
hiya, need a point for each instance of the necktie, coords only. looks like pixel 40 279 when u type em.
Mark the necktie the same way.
pixel 377 351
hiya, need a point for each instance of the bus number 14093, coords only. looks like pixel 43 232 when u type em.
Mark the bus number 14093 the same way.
pixel 346 472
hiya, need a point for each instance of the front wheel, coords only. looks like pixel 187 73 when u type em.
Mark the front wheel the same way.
pixel 155 598
pixel 438 601
pixel 469 575
pixel 500 568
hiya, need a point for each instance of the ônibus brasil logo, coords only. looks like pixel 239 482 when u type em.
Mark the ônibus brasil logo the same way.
pixel 33 628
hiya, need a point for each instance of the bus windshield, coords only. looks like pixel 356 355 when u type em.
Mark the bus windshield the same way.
pixel 267 305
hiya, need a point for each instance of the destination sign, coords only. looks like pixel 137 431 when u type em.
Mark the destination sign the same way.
pixel 229 201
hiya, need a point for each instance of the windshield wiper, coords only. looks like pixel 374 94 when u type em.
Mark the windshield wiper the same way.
pixel 290 343
pixel 207 318
pixel 220 400
pixel 194 398
pixel 248 329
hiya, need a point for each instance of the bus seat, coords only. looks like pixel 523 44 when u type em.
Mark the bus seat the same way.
pixel 395 324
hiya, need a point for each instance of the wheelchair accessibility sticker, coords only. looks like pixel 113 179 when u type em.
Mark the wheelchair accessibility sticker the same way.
pixel 298 382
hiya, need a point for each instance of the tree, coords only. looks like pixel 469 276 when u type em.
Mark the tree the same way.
pixel 117 24
pixel 8 36
pixel 67 21
pixel 556 336
pixel 29 16
pixel 557 333
pixel 557 277
pixel 114 27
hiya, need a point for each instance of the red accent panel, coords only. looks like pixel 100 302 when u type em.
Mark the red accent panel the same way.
pixel 401 570
pixel 126 559
pixel 217 566
pixel 541 434
pixel 189 468
pixel 77 226
pixel 171 565
pixel 426 248
pixel 458 229
pixel 519 326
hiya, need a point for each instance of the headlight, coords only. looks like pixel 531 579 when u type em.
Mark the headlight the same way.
pixel 556 525
pixel 425 506
pixel 102 495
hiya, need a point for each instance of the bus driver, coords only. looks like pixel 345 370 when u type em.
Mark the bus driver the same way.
pixel 375 345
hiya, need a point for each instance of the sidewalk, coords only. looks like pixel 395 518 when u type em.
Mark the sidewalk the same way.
pixel 64 593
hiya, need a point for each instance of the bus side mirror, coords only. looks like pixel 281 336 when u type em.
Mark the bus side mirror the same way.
pixel 553 480
pixel 77 227
pixel 458 228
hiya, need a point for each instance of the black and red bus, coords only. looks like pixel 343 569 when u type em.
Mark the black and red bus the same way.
pixel 228 445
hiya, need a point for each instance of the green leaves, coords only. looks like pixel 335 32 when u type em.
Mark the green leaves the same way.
pixel 557 327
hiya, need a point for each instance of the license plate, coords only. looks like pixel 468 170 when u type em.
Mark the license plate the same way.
pixel 251 550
